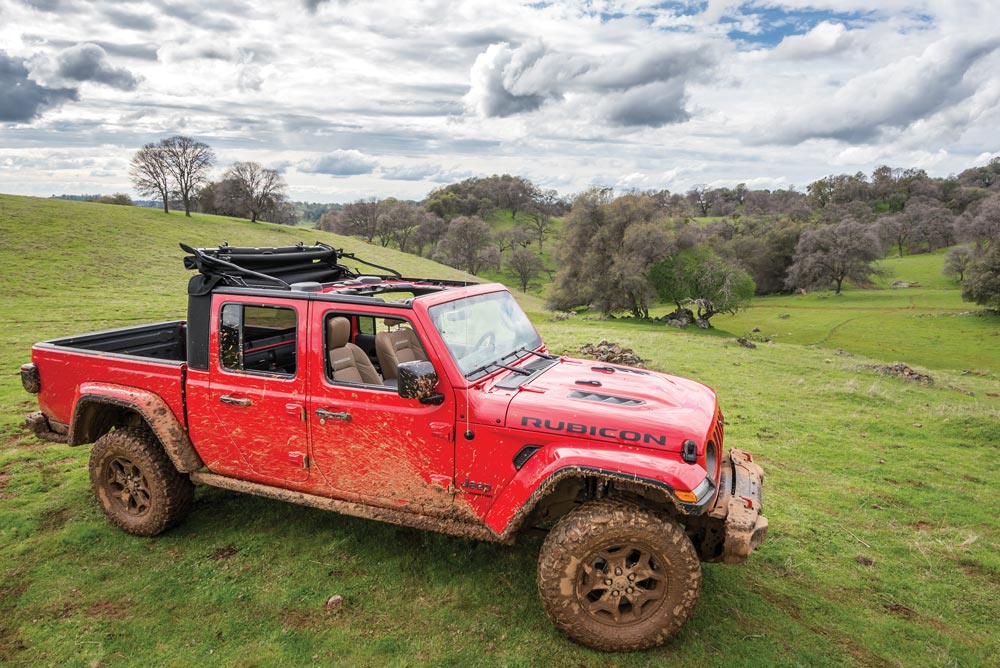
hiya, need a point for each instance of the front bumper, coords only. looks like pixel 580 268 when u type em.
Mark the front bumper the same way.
pixel 736 525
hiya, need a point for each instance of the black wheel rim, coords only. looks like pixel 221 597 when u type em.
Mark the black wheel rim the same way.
pixel 127 486
pixel 621 584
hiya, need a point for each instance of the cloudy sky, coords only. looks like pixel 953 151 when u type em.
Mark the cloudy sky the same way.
pixel 353 98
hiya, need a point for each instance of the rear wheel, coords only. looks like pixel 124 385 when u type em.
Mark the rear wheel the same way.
pixel 136 483
pixel 618 577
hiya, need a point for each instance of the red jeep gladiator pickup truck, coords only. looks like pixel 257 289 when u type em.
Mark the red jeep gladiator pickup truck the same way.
pixel 426 403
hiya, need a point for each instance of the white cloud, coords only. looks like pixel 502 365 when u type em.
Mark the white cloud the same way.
pixel 340 163
pixel 825 39
pixel 626 88
pixel 894 96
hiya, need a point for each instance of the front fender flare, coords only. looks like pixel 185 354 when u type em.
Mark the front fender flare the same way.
pixel 92 397
pixel 557 462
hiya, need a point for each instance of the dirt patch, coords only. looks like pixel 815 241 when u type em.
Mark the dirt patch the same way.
pixel 64 460
pixel 900 370
pixel 224 552
pixel 53 520
pixel 309 620
pixel 110 609
pixel 901 610
pixel 606 351
pixel 922 526
pixel 975 569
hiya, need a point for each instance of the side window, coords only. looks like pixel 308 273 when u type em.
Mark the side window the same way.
pixel 349 350
pixel 258 339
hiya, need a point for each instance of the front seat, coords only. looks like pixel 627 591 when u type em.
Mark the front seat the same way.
pixel 348 362
pixel 397 346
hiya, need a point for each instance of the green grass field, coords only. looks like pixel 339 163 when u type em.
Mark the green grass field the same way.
pixel 885 530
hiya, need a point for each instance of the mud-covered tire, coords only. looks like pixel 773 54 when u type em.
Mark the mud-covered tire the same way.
pixel 615 576
pixel 136 484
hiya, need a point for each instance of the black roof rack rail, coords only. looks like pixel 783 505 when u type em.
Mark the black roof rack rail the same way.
pixel 270 267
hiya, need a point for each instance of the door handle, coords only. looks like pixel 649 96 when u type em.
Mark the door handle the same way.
pixel 235 401
pixel 324 414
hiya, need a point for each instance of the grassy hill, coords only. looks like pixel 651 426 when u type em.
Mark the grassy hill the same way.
pixel 880 491
pixel 927 325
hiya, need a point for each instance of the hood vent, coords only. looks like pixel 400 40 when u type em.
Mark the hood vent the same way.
pixel 605 398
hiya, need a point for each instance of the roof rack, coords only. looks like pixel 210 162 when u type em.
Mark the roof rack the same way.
pixel 271 267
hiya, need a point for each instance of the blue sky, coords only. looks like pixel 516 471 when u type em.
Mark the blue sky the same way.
pixel 352 101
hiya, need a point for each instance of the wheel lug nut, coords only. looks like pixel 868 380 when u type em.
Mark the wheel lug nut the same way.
pixel 618 571
pixel 615 592
pixel 608 582
pixel 629 590
pixel 631 577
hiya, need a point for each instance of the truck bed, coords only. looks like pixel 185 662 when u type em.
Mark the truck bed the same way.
pixel 145 357
pixel 159 341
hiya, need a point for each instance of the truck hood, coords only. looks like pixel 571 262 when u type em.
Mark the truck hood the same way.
pixel 578 398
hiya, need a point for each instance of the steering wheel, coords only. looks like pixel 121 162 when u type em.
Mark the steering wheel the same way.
pixel 487 339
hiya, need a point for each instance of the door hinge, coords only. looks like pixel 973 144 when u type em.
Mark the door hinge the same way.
pixel 441 430
pixel 299 459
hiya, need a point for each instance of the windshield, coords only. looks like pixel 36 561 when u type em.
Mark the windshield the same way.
pixel 482 330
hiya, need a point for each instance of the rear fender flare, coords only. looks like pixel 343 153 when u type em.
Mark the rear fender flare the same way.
pixel 658 471
pixel 95 398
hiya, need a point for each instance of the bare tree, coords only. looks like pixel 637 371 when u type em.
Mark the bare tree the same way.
pixel 259 189
pixel 428 234
pixel 150 174
pixel 833 254
pixel 399 222
pixel 525 266
pixel 188 162
pixel 466 245
pixel 540 224
pixel 359 219
pixel 895 229
pixel 701 197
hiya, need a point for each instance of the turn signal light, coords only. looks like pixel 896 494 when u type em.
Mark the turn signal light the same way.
pixel 686 497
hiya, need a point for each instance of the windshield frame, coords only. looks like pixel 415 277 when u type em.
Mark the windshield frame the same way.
pixel 508 327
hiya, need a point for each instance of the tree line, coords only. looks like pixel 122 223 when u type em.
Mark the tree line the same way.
pixel 706 250
pixel 711 249
pixel 450 226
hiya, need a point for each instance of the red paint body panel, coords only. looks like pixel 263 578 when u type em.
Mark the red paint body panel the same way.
pixel 63 370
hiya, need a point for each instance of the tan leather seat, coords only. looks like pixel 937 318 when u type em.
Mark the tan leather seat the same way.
pixel 397 346
pixel 348 362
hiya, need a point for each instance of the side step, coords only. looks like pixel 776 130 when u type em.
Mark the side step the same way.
pixel 447 525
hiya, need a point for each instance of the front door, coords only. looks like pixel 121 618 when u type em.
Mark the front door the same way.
pixel 369 443
pixel 257 388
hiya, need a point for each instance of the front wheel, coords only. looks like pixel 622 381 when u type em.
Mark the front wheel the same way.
pixel 136 483
pixel 615 576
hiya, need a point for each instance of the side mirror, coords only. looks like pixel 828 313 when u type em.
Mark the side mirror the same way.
pixel 417 380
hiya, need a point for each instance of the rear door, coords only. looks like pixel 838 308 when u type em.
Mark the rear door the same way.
pixel 368 442
pixel 257 388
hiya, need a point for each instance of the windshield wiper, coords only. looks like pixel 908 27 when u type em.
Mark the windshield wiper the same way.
pixel 498 364
pixel 544 356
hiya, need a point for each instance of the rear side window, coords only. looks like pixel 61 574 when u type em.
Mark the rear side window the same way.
pixel 258 339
